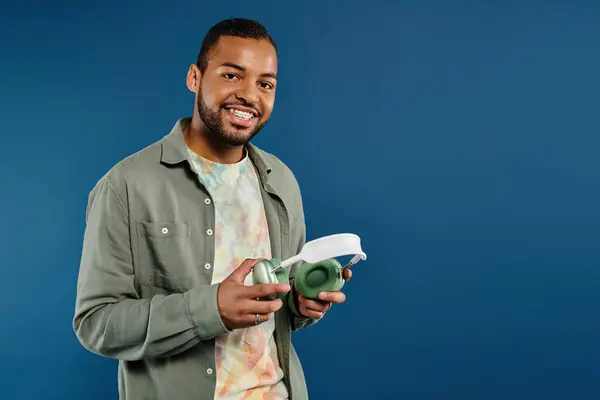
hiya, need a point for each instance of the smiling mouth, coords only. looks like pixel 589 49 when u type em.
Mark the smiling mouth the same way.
pixel 247 116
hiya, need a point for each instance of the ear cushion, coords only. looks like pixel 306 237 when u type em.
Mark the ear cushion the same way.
pixel 312 278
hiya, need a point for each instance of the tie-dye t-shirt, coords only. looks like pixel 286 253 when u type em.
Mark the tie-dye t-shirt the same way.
pixel 246 359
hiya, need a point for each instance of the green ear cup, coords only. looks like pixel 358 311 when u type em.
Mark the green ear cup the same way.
pixel 261 274
pixel 322 276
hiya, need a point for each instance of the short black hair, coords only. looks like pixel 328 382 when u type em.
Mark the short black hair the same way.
pixel 237 27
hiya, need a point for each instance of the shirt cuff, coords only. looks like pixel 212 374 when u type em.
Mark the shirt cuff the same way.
pixel 204 312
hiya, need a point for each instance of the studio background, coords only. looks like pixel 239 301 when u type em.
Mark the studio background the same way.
pixel 460 140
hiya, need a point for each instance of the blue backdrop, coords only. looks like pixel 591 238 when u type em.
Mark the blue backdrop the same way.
pixel 459 140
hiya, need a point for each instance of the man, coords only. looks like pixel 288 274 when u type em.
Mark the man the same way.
pixel 174 231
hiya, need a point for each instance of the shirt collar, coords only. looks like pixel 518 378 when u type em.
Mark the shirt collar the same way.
pixel 173 150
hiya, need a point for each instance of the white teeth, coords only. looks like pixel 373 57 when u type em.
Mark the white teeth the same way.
pixel 241 114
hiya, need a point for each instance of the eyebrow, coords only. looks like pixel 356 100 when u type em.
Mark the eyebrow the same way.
pixel 240 68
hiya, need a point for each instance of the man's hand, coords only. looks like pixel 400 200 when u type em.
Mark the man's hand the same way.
pixel 316 308
pixel 238 304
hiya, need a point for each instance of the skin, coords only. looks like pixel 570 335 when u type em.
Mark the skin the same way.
pixel 242 74
pixel 317 308
pixel 238 304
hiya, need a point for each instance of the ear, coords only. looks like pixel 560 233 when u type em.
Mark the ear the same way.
pixel 193 78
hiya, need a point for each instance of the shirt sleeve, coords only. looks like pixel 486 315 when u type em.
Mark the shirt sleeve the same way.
pixel 110 317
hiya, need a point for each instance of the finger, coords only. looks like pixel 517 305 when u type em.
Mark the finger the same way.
pixel 305 311
pixel 240 273
pixel 316 305
pixel 347 274
pixel 266 289
pixel 262 306
pixel 333 297
pixel 310 313
pixel 253 320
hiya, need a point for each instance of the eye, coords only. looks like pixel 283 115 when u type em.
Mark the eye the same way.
pixel 266 85
pixel 230 76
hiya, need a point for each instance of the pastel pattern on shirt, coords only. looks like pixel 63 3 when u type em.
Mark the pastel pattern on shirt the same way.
pixel 246 359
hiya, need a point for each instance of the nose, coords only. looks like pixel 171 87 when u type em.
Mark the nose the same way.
pixel 249 92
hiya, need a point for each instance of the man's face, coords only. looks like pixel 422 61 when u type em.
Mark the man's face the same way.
pixel 237 90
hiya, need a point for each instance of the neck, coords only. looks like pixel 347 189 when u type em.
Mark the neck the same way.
pixel 202 142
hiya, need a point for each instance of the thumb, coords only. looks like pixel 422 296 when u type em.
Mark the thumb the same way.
pixel 240 273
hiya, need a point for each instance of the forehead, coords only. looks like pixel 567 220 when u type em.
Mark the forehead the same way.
pixel 254 55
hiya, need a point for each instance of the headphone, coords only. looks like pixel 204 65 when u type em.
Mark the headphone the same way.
pixel 311 278
pixel 320 270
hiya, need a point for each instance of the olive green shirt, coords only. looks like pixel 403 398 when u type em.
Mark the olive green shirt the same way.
pixel 144 293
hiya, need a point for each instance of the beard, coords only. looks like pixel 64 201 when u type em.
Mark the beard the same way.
pixel 213 120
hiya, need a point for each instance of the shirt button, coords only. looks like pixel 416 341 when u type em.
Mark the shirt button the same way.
pixel 207 266
pixel 164 231
pixel 209 371
pixel 207 201
pixel 209 232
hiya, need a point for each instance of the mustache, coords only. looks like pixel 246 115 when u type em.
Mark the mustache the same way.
pixel 243 104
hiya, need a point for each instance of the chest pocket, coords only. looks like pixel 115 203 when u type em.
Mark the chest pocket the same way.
pixel 164 253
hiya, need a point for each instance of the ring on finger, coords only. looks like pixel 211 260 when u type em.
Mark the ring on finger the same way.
pixel 257 319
